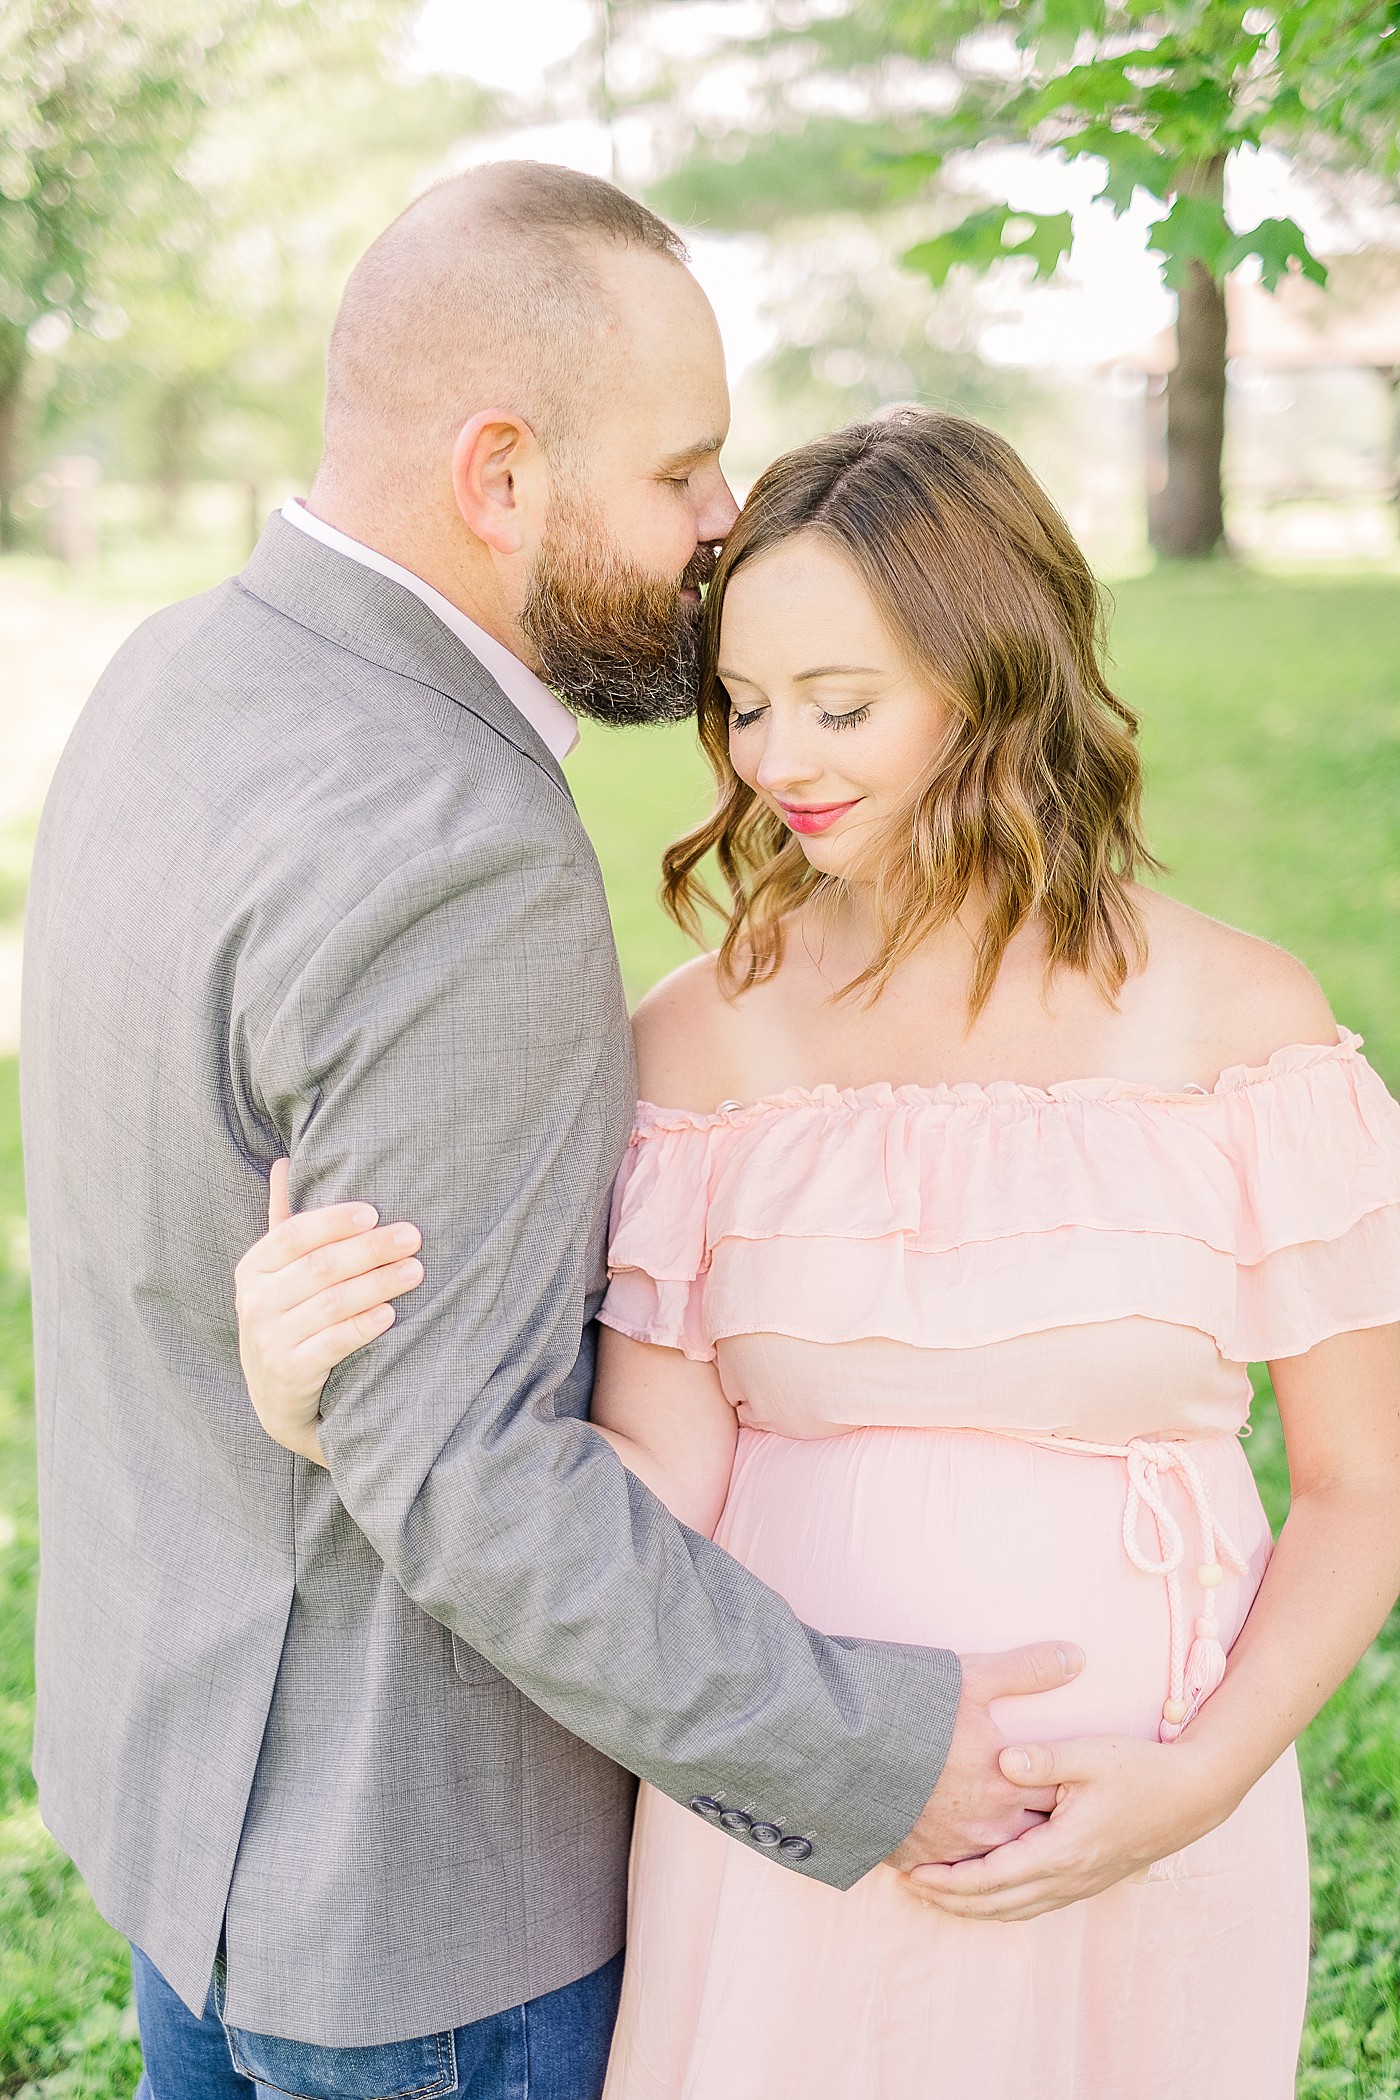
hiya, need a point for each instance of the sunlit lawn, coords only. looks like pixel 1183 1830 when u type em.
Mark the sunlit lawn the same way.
pixel 1272 712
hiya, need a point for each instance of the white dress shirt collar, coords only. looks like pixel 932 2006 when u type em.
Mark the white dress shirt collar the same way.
pixel 547 716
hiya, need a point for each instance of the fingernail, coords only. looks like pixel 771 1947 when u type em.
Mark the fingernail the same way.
pixel 362 1215
pixel 1021 1759
pixel 1071 1659
pixel 405 1235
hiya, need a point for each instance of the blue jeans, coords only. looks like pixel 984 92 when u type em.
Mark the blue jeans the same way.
pixel 552 2048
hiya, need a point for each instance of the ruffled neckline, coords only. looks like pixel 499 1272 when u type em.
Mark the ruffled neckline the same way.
pixel 880 1094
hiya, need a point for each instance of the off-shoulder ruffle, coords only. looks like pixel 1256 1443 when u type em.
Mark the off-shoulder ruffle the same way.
pixel 1264 1211
pixel 1293 1057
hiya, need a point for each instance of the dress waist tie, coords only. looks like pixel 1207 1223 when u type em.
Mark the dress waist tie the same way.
pixel 1198 1670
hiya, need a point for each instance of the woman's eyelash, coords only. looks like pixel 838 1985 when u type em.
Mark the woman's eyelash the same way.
pixel 739 720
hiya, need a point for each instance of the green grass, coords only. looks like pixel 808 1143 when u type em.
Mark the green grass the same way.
pixel 638 789
pixel 1272 729
pixel 1271 732
pixel 65 2027
pixel 16 849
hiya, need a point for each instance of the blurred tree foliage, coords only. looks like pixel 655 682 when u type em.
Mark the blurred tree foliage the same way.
pixel 856 332
pixel 182 186
pixel 85 101
pixel 863 108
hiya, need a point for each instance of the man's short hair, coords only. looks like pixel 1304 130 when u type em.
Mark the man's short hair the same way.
pixel 484 293
pixel 560 202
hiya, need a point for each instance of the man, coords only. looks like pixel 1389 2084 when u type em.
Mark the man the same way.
pixel 352 1745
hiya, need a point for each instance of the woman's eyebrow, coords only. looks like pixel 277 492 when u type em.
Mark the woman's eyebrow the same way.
pixel 838 671
pixel 800 677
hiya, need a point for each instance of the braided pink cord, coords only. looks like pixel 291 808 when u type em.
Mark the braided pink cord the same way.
pixel 1148 1460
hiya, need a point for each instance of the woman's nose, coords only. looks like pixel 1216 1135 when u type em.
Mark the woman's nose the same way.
pixel 785 765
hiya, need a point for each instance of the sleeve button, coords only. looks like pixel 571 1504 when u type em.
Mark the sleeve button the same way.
pixel 736 1821
pixel 796 1848
pixel 706 1805
pixel 767 1834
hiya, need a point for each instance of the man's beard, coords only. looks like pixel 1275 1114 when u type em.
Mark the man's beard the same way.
pixel 617 642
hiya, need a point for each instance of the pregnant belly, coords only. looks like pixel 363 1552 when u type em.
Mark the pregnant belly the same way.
pixel 967 1540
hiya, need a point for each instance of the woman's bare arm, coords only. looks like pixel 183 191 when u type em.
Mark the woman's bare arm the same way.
pixel 670 1424
pixel 1336 1568
pixel 666 1416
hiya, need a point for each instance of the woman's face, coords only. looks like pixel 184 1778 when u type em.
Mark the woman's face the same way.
pixel 828 721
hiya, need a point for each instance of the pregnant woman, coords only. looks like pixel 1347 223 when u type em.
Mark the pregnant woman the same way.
pixel 969 1178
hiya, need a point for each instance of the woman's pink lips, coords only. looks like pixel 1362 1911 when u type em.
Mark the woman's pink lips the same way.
pixel 814 816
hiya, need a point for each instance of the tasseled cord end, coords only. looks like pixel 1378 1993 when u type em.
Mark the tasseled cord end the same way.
pixel 1205 1662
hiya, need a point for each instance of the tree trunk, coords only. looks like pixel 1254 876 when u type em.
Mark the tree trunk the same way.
pixel 14 355
pixel 1187 518
pixel 174 435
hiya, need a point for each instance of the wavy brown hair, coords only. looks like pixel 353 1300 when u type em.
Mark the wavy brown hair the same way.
pixel 1032 803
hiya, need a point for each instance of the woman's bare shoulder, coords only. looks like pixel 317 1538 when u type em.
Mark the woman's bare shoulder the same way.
pixel 1245 997
pixel 688 1031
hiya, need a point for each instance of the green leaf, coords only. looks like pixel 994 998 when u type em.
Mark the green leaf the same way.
pixel 903 174
pixel 992 236
pixel 1279 245
pixel 1060 25
pixel 1379 89
pixel 1194 230
pixel 1194 119
pixel 975 244
pixel 1134 163
pixel 1048 242
pixel 1097 89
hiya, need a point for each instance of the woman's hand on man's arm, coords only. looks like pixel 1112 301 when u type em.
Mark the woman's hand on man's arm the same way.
pixel 319 1286
pixel 312 1291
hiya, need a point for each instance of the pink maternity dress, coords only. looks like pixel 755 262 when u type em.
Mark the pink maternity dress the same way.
pixel 987 1347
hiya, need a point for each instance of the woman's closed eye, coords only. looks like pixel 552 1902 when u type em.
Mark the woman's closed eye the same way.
pixel 852 719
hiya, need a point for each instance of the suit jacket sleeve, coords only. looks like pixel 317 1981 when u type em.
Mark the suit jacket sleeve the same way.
pixel 439 1055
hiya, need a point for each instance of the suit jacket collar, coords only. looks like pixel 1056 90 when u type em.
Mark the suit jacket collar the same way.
pixel 376 618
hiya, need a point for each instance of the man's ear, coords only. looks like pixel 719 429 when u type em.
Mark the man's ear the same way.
pixel 499 479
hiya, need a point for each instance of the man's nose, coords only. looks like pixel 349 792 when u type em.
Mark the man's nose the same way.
pixel 717 518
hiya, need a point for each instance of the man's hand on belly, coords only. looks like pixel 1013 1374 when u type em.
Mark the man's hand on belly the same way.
pixel 1120 1805
pixel 975 1809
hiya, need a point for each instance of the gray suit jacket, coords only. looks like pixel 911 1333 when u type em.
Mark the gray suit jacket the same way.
pixel 307 883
